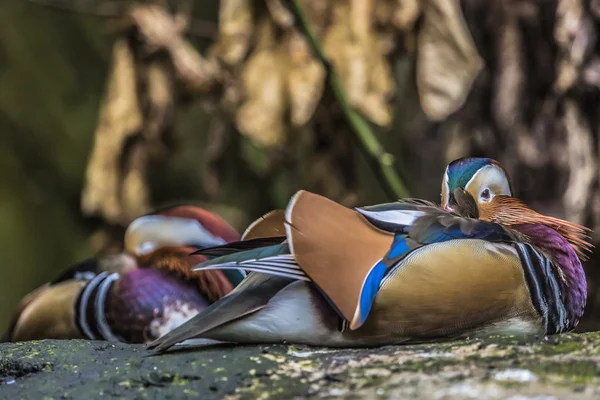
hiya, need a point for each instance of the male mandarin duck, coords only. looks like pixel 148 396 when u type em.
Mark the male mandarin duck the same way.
pixel 138 295
pixel 408 271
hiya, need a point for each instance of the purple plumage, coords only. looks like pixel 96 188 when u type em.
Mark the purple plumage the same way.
pixel 146 303
pixel 574 285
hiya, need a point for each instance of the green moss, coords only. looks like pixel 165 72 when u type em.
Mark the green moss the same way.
pixel 192 393
pixel 427 365
pixel 179 380
pixel 127 384
pixel 567 372
pixel 560 347
pixel 31 355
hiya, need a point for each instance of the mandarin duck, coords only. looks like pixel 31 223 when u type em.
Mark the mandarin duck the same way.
pixel 139 294
pixel 410 271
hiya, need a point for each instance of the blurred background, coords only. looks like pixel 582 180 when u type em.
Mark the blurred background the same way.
pixel 110 108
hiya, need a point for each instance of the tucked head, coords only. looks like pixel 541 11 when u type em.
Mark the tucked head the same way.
pixel 482 178
pixel 177 226
pixel 167 239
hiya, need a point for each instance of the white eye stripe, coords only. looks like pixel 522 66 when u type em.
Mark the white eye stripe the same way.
pixel 489 177
pixel 150 232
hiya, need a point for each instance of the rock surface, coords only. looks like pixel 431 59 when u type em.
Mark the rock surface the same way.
pixel 559 367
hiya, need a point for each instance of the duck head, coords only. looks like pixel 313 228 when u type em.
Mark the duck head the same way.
pixel 481 188
pixel 177 226
pixel 471 184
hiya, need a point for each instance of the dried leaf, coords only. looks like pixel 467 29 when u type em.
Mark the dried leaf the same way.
pixel 318 13
pixel 360 19
pixel 163 31
pixel 361 65
pixel 160 107
pixel 260 116
pixel 280 13
pixel 384 12
pixel 305 81
pixel 155 25
pixel 120 118
pixel 335 42
pixel 406 14
pixel 575 35
pixel 582 163
pixel 381 86
pixel 128 136
pixel 510 79
pixel 236 26
pixel 447 60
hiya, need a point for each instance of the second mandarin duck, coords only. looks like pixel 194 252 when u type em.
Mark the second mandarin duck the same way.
pixel 139 294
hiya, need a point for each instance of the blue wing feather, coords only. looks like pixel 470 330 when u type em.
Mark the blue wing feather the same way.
pixel 370 289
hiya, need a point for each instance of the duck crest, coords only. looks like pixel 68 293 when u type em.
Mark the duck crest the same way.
pixel 563 243
pixel 510 211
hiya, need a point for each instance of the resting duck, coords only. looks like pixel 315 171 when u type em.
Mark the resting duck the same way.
pixel 139 294
pixel 410 271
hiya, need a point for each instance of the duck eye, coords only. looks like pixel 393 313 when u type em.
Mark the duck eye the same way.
pixel 485 195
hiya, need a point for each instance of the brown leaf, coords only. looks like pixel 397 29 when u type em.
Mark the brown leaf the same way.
pixel 360 63
pixel 361 19
pixel 156 26
pixel 120 118
pixel 582 162
pixel 447 60
pixel 260 117
pixel 280 13
pixel 406 14
pixel 163 31
pixel 128 136
pixel 159 111
pixel 507 100
pixel 236 27
pixel 575 35
pixel 305 81
pixel 376 104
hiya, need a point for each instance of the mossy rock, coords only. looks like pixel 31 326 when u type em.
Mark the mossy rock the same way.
pixel 558 367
